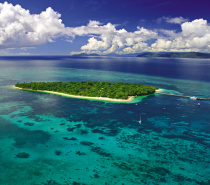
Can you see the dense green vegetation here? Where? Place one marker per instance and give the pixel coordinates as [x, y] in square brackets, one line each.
[116, 90]
[176, 55]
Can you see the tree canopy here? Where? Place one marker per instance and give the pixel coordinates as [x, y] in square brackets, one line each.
[117, 90]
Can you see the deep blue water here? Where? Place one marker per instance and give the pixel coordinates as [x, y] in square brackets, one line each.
[51, 139]
[190, 69]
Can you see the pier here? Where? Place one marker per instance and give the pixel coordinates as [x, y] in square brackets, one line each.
[183, 96]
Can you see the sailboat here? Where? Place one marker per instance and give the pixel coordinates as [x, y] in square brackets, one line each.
[140, 122]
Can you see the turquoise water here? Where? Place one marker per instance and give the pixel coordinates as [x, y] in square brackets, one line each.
[50, 139]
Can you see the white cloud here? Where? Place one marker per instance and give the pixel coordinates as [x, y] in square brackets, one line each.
[108, 39]
[173, 20]
[93, 27]
[94, 44]
[195, 36]
[135, 49]
[198, 27]
[112, 49]
[20, 29]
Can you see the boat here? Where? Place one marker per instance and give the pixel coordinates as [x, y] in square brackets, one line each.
[193, 98]
[140, 122]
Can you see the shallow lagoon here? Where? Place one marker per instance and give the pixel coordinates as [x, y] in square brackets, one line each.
[50, 139]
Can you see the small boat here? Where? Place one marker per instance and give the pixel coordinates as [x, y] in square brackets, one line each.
[140, 122]
[193, 98]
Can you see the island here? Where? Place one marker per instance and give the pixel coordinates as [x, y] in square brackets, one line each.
[93, 89]
[176, 55]
[86, 55]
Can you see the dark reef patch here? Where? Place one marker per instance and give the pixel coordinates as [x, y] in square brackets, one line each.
[58, 152]
[108, 132]
[22, 155]
[98, 131]
[70, 139]
[96, 175]
[82, 131]
[108, 128]
[29, 124]
[51, 182]
[100, 151]
[37, 119]
[78, 125]
[123, 166]
[80, 153]
[189, 136]
[160, 171]
[179, 178]
[70, 129]
[86, 143]
[112, 132]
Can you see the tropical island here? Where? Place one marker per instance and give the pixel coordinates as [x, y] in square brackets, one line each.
[108, 90]
[176, 55]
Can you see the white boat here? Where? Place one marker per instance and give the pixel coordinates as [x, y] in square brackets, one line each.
[193, 98]
[140, 122]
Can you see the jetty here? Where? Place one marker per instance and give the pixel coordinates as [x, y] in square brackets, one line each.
[192, 97]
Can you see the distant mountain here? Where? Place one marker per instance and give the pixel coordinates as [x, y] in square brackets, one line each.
[176, 55]
[85, 55]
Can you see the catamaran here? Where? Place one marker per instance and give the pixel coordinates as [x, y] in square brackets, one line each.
[194, 98]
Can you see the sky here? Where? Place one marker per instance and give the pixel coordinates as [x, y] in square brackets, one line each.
[105, 27]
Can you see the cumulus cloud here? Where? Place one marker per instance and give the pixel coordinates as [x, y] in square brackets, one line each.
[20, 29]
[108, 39]
[94, 44]
[195, 36]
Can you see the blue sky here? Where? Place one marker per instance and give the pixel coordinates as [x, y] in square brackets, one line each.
[63, 27]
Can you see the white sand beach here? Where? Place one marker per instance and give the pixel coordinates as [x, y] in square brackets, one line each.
[130, 98]
[159, 90]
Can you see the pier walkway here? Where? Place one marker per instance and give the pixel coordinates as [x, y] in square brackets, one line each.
[183, 96]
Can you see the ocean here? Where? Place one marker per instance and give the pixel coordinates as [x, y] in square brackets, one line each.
[49, 139]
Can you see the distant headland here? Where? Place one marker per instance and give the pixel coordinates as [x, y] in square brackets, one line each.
[111, 91]
[176, 55]
[85, 55]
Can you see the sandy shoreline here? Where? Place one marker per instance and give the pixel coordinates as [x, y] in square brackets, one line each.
[82, 97]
